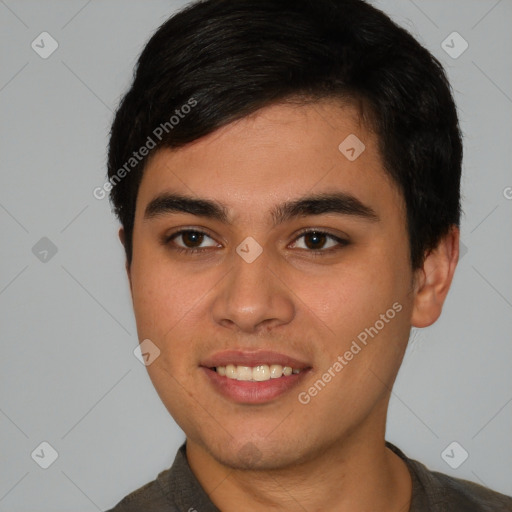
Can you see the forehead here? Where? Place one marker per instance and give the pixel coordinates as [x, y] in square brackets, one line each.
[277, 153]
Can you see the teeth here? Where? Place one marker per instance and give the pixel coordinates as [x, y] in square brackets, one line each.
[276, 371]
[231, 371]
[243, 372]
[257, 373]
[261, 373]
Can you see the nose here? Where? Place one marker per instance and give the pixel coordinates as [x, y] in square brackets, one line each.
[253, 297]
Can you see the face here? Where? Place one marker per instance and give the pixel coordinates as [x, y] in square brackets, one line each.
[299, 259]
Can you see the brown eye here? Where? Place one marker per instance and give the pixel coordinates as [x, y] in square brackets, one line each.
[192, 238]
[319, 242]
[315, 239]
[189, 240]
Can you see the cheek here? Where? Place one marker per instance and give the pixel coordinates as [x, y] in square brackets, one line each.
[164, 301]
[349, 301]
[162, 295]
[348, 295]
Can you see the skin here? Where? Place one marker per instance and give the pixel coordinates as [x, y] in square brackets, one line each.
[283, 455]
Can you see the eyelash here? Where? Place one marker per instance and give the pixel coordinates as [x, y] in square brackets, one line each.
[315, 252]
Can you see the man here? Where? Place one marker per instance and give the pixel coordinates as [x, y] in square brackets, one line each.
[287, 178]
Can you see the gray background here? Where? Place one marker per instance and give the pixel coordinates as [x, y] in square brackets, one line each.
[69, 376]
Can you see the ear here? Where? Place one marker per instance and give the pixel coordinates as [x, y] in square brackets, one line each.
[433, 280]
[123, 241]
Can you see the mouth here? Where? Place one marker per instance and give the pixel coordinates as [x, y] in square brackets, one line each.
[253, 377]
[260, 373]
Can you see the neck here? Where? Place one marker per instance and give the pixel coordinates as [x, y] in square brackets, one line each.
[356, 473]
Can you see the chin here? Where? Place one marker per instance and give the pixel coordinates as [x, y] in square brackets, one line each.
[257, 453]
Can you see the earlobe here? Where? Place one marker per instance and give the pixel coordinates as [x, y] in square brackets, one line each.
[433, 280]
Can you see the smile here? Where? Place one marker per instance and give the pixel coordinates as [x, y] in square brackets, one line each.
[258, 373]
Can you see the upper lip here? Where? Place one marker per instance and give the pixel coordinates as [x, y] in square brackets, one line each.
[252, 358]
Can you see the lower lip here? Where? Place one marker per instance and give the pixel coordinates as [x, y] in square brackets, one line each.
[251, 392]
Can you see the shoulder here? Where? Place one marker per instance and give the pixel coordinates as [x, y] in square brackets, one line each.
[437, 492]
[151, 497]
[174, 490]
[467, 496]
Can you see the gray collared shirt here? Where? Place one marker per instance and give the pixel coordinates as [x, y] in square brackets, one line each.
[177, 490]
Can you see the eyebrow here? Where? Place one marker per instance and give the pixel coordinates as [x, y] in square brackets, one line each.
[339, 203]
